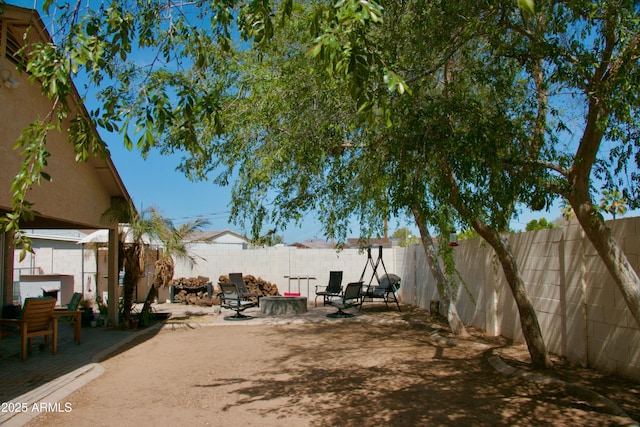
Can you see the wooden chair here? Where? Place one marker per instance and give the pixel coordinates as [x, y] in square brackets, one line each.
[37, 320]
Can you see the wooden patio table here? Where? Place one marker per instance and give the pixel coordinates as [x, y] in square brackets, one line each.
[77, 319]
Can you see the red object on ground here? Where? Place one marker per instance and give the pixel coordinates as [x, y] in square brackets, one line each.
[292, 294]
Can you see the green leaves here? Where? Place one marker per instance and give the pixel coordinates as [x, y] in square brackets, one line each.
[527, 6]
[346, 46]
[395, 82]
[86, 142]
[48, 65]
[32, 145]
[360, 11]
[421, 75]
[256, 21]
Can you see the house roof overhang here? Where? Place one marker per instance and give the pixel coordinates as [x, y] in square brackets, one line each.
[80, 192]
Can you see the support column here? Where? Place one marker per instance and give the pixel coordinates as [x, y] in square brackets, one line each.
[112, 277]
[6, 249]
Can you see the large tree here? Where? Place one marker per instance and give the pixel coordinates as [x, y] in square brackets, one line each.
[589, 51]
[580, 59]
[571, 59]
[584, 52]
[447, 141]
[341, 169]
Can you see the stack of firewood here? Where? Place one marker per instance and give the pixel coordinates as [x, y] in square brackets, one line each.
[194, 290]
[256, 285]
[191, 290]
[190, 282]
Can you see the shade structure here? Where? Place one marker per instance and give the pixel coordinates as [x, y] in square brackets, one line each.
[102, 236]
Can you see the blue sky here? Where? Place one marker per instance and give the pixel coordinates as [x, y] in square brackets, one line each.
[155, 182]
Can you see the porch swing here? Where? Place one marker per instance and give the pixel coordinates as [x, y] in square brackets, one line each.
[387, 284]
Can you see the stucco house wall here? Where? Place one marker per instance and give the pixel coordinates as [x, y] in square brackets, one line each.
[78, 193]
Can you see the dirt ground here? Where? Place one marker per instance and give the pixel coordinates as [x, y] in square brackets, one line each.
[348, 372]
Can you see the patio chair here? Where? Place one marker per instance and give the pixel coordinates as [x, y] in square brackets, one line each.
[386, 290]
[71, 314]
[238, 280]
[74, 302]
[333, 289]
[232, 299]
[37, 320]
[352, 297]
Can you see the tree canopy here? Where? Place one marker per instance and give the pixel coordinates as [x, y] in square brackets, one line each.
[456, 112]
[167, 72]
[539, 224]
[407, 238]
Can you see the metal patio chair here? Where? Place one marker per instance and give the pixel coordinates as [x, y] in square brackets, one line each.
[352, 297]
[333, 289]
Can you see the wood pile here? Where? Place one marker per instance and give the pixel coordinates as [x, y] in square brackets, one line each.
[195, 290]
[255, 285]
[190, 282]
[192, 290]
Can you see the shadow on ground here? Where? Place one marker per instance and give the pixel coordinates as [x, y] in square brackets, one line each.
[378, 368]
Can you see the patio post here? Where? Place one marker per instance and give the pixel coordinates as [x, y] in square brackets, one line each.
[6, 250]
[112, 277]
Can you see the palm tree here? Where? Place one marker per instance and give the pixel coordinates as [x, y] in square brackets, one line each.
[134, 231]
[613, 202]
[175, 242]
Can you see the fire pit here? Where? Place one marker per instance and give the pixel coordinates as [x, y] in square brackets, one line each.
[275, 306]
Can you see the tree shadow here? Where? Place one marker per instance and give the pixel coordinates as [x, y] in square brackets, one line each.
[369, 374]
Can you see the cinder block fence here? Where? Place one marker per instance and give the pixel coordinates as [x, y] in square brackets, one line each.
[580, 310]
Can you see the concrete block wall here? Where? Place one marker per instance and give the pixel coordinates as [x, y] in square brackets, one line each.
[273, 264]
[580, 309]
[614, 338]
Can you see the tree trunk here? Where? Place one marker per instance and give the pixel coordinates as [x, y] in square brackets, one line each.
[146, 308]
[528, 318]
[132, 271]
[612, 256]
[164, 269]
[456, 325]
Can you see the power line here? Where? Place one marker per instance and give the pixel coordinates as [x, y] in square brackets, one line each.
[205, 215]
